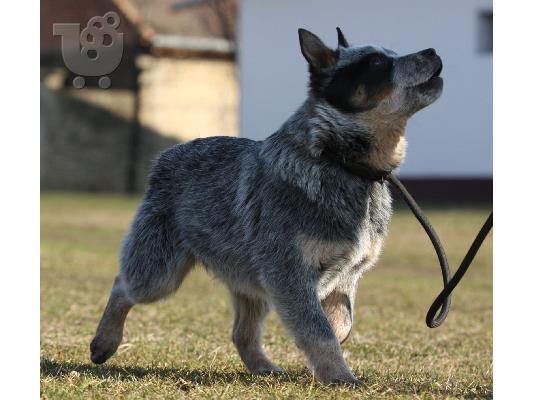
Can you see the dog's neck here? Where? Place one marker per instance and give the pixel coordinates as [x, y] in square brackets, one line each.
[388, 140]
[317, 135]
[371, 138]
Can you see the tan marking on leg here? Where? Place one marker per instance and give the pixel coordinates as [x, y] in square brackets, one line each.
[337, 308]
[338, 304]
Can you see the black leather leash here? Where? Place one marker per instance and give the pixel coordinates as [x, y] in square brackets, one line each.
[442, 303]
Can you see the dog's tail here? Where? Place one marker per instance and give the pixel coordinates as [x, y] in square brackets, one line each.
[154, 259]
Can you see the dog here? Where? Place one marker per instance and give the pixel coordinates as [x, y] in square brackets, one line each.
[291, 222]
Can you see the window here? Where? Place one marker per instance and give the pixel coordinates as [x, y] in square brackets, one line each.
[485, 32]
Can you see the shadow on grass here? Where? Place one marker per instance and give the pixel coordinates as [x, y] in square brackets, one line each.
[187, 376]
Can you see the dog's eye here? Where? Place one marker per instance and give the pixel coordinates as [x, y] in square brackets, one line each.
[377, 62]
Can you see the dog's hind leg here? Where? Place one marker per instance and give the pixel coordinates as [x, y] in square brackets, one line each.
[247, 332]
[110, 329]
[154, 261]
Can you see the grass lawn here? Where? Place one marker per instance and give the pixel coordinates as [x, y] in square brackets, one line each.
[181, 347]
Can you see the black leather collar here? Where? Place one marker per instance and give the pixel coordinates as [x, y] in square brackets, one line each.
[361, 170]
[366, 172]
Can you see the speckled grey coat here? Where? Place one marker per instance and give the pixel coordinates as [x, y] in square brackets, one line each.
[282, 222]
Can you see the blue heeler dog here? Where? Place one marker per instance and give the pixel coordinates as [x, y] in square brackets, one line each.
[291, 222]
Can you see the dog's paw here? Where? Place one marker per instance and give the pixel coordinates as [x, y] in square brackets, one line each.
[337, 376]
[102, 349]
[346, 380]
[352, 381]
[264, 367]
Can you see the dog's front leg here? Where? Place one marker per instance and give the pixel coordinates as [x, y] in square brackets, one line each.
[247, 332]
[339, 307]
[299, 307]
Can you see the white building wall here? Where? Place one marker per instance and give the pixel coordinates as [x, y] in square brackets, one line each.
[451, 138]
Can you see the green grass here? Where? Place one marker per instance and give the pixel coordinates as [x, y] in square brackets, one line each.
[181, 347]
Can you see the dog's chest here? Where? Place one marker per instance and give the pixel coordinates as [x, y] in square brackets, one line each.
[338, 260]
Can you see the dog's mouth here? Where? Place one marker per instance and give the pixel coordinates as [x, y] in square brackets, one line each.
[433, 80]
[435, 77]
[438, 71]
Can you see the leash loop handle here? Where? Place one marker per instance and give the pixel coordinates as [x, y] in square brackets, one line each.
[462, 269]
[442, 303]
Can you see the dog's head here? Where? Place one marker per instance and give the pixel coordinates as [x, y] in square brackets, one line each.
[356, 79]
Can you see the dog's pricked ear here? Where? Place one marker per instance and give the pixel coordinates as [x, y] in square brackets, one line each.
[341, 41]
[318, 55]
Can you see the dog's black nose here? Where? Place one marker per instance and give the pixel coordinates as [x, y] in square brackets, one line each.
[429, 52]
